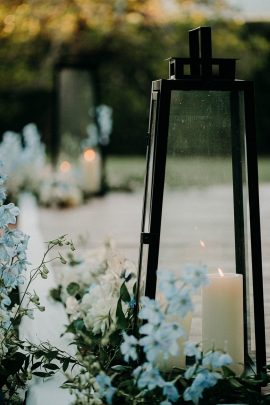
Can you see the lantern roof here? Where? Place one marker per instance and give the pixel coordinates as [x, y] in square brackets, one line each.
[200, 65]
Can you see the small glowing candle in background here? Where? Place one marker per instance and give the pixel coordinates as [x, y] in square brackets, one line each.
[91, 170]
[65, 167]
[222, 315]
[64, 173]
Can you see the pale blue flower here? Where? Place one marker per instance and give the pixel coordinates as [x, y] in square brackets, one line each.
[22, 247]
[15, 237]
[3, 176]
[5, 252]
[151, 311]
[180, 303]
[203, 380]
[167, 283]
[196, 276]
[105, 387]
[132, 303]
[166, 402]
[8, 214]
[20, 265]
[192, 349]
[148, 377]
[9, 276]
[170, 391]
[128, 347]
[3, 194]
[217, 359]
[4, 319]
[160, 340]
[5, 301]
[190, 371]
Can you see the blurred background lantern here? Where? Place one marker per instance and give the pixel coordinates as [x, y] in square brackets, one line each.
[203, 113]
[81, 127]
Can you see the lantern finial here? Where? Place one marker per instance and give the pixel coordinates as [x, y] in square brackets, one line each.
[200, 65]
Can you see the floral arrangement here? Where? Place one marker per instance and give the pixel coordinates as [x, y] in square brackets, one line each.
[124, 353]
[24, 160]
[19, 360]
[124, 364]
[58, 192]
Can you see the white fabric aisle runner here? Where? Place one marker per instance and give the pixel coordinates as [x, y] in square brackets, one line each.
[48, 325]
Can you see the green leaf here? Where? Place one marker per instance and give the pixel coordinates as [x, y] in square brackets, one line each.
[120, 368]
[36, 365]
[135, 289]
[13, 364]
[52, 354]
[227, 372]
[55, 293]
[51, 366]
[116, 337]
[62, 259]
[235, 383]
[65, 365]
[124, 294]
[121, 320]
[41, 374]
[79, 324]
[73, 288]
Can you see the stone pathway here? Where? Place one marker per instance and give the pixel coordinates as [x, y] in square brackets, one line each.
[186, 234]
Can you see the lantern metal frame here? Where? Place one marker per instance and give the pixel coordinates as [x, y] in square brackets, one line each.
[201, 76]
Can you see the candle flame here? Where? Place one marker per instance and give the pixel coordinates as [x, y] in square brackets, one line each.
[89, 155]
[65, 166]
[220, 272]
[202, 243]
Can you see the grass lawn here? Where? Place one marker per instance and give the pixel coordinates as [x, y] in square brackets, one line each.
[127, 172]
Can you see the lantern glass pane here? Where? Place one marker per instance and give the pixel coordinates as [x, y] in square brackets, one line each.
[76, 109]
[198, 216]
[205, 151]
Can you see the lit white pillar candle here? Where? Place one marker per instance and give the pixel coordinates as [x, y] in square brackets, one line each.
[91, 170]
[222, 315]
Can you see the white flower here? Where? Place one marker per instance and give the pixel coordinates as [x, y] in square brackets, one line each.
[72, 305]
[99, 308]
[30, 313]
[14, 310]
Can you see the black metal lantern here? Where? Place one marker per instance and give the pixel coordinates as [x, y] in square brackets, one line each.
[76, 126]
[74, 98]
[201, 143]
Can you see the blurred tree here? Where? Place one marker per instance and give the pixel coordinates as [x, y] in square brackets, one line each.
[125, 41]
